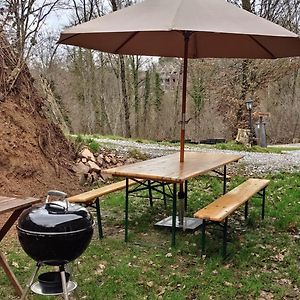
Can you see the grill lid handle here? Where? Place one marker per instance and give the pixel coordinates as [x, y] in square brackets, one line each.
[56, 208]
[56, 193]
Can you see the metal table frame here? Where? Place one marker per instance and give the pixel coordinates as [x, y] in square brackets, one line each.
[168, 170]
[153, 186]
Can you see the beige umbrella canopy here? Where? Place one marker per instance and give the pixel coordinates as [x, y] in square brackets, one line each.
[185, 28]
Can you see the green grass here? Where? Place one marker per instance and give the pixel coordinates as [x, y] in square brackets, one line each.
[263, 262]
[240, 147]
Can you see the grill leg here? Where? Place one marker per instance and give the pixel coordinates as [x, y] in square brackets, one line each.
[203, 236]
[263, 204]
[64, 282]
[246, 210]
[28, 286]
[225, 238]
[98, 210]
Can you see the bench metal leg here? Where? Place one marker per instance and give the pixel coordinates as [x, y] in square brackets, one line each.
[246, 209]
[203, 236]
[263, 204]
[98, 211]
[225, 238]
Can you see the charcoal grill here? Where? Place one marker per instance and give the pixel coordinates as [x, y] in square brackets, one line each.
[54, 234]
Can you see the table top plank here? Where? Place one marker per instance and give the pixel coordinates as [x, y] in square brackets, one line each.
[169, 169]
[11, 203]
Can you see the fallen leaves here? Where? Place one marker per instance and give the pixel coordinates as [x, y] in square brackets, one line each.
[101, 267]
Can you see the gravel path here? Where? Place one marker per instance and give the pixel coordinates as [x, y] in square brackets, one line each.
[252, 163]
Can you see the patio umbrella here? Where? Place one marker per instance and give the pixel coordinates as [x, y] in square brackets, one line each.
[186, 29]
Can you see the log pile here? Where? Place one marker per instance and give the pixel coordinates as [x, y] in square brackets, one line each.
[89, 165]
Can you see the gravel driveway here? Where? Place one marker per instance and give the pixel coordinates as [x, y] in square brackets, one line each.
[252, 163]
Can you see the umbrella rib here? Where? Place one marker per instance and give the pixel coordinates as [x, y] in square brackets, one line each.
[126, 41]
[262, 46]
[65, 39]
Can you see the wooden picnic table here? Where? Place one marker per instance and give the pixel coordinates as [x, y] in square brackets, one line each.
[168, 169]
[16, 206]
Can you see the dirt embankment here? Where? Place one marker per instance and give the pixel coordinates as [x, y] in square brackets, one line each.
[34, 154]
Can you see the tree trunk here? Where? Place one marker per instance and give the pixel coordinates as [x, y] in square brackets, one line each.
[146, 101]
[125, 98]
[134, 61]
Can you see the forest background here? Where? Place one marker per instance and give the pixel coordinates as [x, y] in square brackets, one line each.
[90, 92]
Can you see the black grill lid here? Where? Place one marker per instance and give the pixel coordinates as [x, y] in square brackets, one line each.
[55, 217]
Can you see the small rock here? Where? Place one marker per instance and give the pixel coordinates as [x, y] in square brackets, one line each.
[99, 160]
[93, 166]
[86, 153]
[81, 168]
[107, 159]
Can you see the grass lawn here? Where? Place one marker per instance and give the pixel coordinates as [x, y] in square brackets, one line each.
[264, 259]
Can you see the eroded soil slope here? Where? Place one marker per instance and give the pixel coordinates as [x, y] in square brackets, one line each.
[34, 154]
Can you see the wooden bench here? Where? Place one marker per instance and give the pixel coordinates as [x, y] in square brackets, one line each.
[92, 198]
[218, 211]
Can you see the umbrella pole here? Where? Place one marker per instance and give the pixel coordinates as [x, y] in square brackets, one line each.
[181, 194]
[184, 85]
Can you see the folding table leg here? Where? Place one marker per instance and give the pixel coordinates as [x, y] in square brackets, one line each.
[185, 195]
[164, 195]
[224, 180]
[263, 203]
[126, 212]
[99, 221]
[174, 215]
[150, 193]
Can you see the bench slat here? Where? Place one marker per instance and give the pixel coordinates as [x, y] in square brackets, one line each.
[90, 196]
[228, 203]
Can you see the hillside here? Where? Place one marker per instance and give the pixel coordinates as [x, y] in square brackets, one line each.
[34, 154]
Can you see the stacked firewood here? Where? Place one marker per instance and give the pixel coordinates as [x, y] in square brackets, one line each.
[89, 165]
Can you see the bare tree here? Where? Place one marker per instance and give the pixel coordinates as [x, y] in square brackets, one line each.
[125, 98]
[25, 19]
[22, 20]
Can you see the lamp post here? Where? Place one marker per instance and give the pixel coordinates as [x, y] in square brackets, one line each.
[249, 106]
